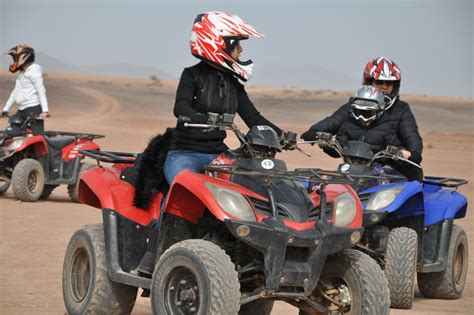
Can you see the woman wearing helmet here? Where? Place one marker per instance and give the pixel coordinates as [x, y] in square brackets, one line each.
[394, 121]
[29, 92]
[211, 86]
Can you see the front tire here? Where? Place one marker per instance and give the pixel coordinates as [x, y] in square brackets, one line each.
[73, 189]
[400, 266]
[448, 284]
[28, 180]
[359, 281]
[87, 288]
[195, 277]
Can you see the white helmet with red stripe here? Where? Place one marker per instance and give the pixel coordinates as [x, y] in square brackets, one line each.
[213, 37]
[383, 69]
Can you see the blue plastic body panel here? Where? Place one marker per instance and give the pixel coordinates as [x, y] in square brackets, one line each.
[443, 204]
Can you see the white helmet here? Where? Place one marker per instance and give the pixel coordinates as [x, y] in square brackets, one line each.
[368, 104]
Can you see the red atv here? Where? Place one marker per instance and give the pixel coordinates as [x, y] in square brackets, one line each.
[230, 241]
[36, 164]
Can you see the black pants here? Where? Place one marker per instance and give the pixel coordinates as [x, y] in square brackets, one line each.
[17, 126]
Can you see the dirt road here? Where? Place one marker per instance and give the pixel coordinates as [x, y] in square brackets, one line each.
[34, 235]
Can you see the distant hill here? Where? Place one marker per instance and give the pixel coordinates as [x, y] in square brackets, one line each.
[51, 64]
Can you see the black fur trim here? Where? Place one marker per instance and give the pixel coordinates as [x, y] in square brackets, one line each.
[151, 178]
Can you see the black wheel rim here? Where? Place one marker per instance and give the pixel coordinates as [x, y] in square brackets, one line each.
[181, 292]
[80, 275]
[32, 181]
[459, 264]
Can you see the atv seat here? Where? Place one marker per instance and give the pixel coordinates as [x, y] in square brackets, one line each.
[59, 142]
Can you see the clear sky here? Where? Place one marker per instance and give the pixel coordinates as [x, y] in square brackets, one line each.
[309, 44]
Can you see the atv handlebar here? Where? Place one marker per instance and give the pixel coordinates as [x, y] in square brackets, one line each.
[324, 139]
[223, 122]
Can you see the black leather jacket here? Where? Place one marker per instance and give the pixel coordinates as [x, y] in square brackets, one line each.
[396, 127]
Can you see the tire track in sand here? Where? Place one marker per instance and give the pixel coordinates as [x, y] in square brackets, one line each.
[107, 107]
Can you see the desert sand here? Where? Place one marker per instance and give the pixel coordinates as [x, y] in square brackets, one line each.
[129, 112]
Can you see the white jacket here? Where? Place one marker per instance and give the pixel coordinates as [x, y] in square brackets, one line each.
[29, 90]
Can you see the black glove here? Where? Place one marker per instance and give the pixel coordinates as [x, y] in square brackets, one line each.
[289, 140]
[4, 114]
[309, 135]
[194, 118]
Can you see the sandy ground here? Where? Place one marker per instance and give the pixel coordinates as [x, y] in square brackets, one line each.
[129, 112]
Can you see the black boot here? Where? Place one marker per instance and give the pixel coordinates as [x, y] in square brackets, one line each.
[147, 264]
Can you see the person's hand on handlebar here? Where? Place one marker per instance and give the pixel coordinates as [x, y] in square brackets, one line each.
[194, 118]
[405, 154]
[44, 115]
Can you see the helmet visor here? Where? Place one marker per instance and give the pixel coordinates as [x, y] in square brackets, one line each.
[365, 109]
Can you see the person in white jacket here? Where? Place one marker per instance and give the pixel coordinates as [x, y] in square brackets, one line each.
[29, 92]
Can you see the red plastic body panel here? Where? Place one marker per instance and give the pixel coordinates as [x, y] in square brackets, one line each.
[71, 151]
[37, 143]
[103, 188]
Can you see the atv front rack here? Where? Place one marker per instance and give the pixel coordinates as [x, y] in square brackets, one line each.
[77, 135]
[311, 175]
[110, 156]
[444, 181]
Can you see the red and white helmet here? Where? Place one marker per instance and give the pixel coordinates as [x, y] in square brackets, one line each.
[213, 37]
[383, 69]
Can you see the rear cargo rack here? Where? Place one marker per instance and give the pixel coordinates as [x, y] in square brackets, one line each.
[444, 181]
[110, 156]
[77, 135]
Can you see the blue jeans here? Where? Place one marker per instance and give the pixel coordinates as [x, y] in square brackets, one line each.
[179, 160]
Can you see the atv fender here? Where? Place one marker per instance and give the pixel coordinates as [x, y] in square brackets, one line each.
[37, 143]
[442, 204]
[102, 188]
[409, 201]
[188, 196]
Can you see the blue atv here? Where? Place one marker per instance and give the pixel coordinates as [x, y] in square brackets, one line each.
[408, 225]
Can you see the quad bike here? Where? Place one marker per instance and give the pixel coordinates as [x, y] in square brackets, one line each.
[230, 241]
[35, 165]
[409, 226]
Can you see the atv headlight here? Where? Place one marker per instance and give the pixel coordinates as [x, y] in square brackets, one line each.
[232, 202]
[346, 209]
[383, 198]
[16, 144]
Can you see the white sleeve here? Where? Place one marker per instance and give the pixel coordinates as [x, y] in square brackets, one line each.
[10, 100]
[37, 78]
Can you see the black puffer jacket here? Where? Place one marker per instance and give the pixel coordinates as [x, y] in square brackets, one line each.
[202, 89]
[397, 127]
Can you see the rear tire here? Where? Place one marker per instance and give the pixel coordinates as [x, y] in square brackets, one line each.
[47, 190]
[361, 277]
[73, 189]
[28, 180]
[4, 185]
[448, 284]
[87, 288]
[400, 266]
[195, 277]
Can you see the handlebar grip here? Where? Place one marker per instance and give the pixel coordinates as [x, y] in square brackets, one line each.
[184, 119]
